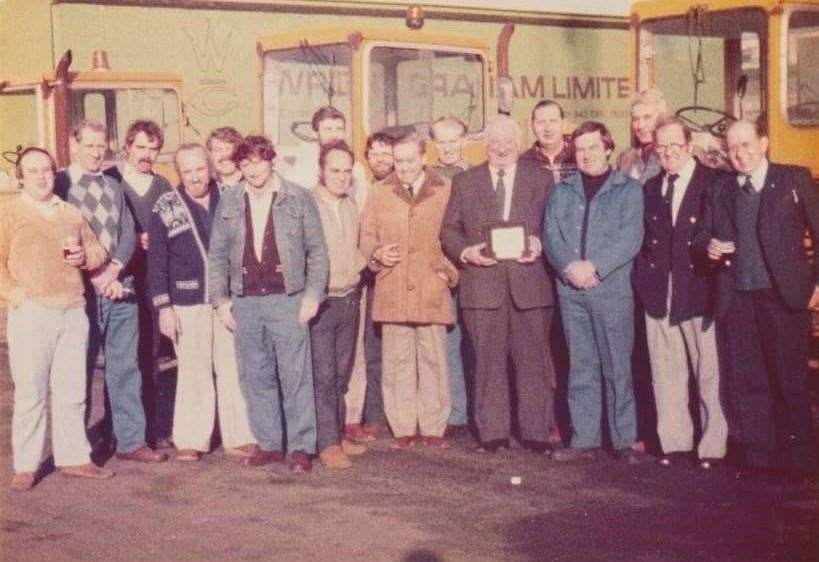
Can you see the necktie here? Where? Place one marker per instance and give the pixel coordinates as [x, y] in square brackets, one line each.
[748, 186]
[411, 192]
[500, 193]
[669, 193]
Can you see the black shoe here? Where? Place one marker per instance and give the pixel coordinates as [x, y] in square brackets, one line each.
[707, 463]
[570, 454]
[537, 447]
[492, 446]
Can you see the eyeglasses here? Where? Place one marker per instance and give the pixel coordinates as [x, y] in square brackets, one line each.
[673, 147]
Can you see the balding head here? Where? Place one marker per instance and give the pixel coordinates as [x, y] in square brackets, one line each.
[503, 139]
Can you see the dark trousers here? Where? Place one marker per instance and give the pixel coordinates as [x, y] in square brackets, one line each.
[495, 335]
[765, 347]
[332, 335]
[374, 399]
[159, 390]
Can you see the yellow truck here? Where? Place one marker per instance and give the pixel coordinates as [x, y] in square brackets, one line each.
[735, 59]
[265, 66]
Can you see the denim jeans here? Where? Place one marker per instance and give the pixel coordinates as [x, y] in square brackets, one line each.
[115, 327]
[374, 399]
[600, 335]
[455, 362]
[332, 336]
[275, 371]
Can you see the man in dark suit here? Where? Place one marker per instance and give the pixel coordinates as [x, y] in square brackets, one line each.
[674, 290]
[506, 305]
[763, 295]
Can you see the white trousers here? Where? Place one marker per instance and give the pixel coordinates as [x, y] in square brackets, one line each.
[205, 345]
[47, 355]
[415, 379]
[670, 348]
[357, 387]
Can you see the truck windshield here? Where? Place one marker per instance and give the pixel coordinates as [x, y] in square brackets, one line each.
[413, 87]
[712, 63]
[297, 82]
[118, 108]
[803, 68]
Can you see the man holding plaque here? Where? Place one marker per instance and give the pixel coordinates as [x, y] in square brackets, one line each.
[399, 234]
[593, 230]
[505, 293]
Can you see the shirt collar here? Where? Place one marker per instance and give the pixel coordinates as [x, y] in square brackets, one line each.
[508, 172]
[757, 176]
[684, 174]
[418, 183]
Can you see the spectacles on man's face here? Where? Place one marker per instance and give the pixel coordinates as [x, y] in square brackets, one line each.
[667, 148]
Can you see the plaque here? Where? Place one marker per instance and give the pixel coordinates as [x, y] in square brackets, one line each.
[506, 241]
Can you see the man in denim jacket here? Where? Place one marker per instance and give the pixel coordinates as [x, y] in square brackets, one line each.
[593, 229]
[268, 271]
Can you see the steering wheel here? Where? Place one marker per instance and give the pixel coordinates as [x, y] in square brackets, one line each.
[716, 127]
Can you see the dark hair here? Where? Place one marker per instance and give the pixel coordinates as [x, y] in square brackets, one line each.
[594, 127]
[338, 145]
[225, 134]
[254, 146]
[18, 167]
[381, 138]
[547, 103]
[326, 112]
[671, 121]
[150, 128]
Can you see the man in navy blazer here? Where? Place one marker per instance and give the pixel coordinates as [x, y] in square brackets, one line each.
[674, 289]
[763, 299]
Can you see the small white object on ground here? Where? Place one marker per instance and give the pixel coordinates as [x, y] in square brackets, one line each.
[516, 480]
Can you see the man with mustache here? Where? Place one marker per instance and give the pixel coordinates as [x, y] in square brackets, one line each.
[222, 143]
[142, 187]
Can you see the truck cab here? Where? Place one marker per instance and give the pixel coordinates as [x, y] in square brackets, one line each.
[43, 109]
[394, 81]
[752, 59]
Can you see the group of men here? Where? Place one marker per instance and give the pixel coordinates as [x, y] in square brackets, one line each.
[312, 306]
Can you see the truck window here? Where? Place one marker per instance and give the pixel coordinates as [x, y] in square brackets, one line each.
[413, 87]
[298, 81]
[803, 68]
[117, 108]
[711, 60]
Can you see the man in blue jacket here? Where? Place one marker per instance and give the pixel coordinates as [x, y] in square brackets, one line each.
[268, 272]
[593, 228]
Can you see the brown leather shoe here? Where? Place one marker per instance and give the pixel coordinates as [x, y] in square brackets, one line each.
[89, 470]
[298, 462]
[188, 455]
[143, 454]
[355, 432]
[335, 458]
[261, 457]
[23, 481]
[435, 442]
[405, 442]
[243, 451]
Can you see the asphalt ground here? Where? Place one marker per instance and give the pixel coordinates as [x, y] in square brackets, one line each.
[417, 505]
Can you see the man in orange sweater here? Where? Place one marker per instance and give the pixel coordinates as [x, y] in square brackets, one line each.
[43, 243]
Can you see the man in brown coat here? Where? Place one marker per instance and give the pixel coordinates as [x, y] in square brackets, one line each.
[400, 230]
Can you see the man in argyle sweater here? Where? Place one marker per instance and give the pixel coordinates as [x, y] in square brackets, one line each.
[112, 306]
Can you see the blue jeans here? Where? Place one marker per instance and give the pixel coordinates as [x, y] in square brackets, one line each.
[275, 371]
[115, 327]
[455, 362]
[600, 335]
